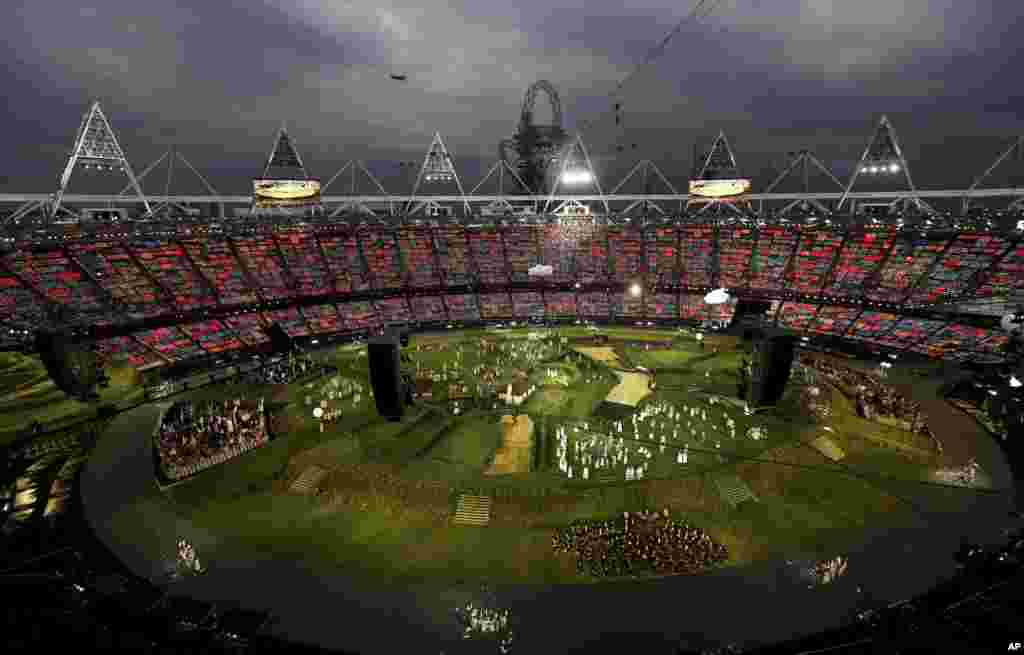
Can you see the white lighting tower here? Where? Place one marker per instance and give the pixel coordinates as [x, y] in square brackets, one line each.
[96, 148]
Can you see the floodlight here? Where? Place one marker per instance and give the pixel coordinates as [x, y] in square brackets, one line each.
[577, 176]
[894, 168]
[864, 169]
[635, 289]
[1014, 382]
[717, 297]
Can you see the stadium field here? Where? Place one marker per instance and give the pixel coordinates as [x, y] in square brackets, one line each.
[758, 483]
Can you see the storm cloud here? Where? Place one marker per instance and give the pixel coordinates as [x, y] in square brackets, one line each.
[217, 79]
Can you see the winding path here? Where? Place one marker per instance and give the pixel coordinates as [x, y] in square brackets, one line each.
[755, 603]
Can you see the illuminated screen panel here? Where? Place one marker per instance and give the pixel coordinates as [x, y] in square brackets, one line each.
[345, 262]
[527, 304]
[625, 254]
[495, 305]
[593, 305]
[285, 193]
[428, 308]
[910, 259]
[909, 331]
[775, 246]
[736, 249]
[322, 319]
[265, 267]
[859, 260]
[382, 259]
[307, 267]
[797, 315]
[394, 310]
[488, 254]
[872, 325]
[218, 264]
[56, 277]
[697, 253]
[416, 243]
[625, 305]
[835, 320]
[453, 255]
[663, 305]
[359, 315]
[951, 277]
[521, 250]
[1007, 278]
[463, 307]
[952, 339]
[112, 266]
[126, 351]
[290, 319]
[19, 304]
[248, 327]
[559, 247]
[814, 260]
[166, 261]
[170, 342]
[560, 304]
[212, 336]
[592, 254]
[719, 188]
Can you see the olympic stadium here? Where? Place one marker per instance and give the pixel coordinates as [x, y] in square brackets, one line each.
[541, 411]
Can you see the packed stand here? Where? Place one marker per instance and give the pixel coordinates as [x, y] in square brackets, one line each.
[193, 437]
[638, 544]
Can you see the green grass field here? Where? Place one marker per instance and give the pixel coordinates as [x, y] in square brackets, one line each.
[27, 394]
[680, 443]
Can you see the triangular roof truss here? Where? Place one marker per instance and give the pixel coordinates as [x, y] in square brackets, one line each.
[884, 148]
[96, 146]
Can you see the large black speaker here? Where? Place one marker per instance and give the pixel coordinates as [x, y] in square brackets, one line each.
[386, 376]
[280, 340]
[71, 363]
[770, 368]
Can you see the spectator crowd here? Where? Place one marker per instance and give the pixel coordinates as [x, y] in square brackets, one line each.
[195, 436]
[638, 544]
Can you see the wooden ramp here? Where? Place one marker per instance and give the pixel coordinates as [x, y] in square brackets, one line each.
[472, 510]
[308, 481]
[828, 448]
[733, 490]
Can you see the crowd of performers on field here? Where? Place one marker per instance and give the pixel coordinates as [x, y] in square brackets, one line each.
[638, 544]
[286, 370]
[874, 400]
[197, 435]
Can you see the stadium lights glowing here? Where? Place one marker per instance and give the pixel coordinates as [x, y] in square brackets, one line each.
[577, 176]
[872, 169]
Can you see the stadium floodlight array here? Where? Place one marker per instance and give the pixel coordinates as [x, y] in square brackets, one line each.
[881, 168]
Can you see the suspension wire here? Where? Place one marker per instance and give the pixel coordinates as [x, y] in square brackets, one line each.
[700, 10]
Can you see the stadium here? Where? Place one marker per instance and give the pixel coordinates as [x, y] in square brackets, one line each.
[551, 419]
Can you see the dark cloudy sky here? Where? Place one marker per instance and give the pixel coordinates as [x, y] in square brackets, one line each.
[217, 77]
